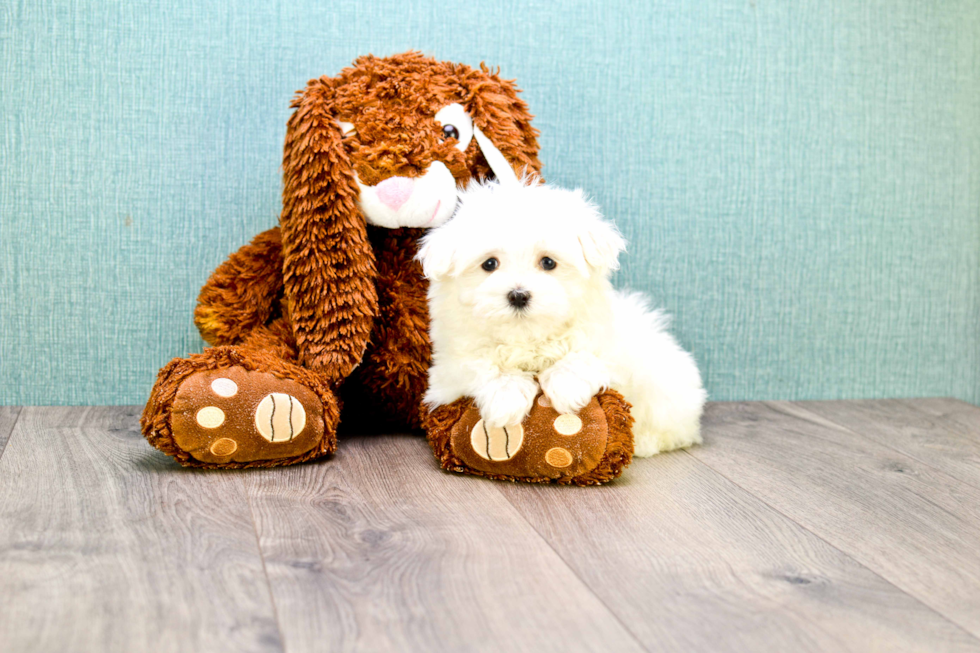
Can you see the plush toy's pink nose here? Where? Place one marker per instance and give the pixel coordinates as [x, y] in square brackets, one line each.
[394, 191]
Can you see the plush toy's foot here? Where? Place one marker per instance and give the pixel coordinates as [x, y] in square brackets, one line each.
[236, 407]
[590, 448]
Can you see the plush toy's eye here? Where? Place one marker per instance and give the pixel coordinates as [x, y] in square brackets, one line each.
[455, 123]
[548, 264]
[347, 129]
[449, 131]
[490, 264]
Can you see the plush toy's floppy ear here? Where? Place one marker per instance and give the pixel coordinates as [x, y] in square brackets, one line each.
[328, 265]
[600, 239]
[501, 117]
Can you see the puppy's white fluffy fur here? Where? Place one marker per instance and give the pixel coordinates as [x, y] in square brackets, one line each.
[576, 335]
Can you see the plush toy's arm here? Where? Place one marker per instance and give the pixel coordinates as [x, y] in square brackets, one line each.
[241, 294]
[328, 261]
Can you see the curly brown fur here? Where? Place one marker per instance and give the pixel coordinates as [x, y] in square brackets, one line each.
[238, 296]
[274, 338]
[155, 421]
[392, 101]
[618, 454]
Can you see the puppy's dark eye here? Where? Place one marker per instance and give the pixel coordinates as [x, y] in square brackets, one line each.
[548, 264]
[449, 131]
[490, 264]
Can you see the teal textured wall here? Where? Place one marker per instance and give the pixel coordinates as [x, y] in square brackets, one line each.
[800, 179]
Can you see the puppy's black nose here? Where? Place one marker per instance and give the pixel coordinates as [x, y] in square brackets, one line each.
[518, 298]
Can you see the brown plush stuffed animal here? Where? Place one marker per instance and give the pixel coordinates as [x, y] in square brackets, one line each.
[329, 308]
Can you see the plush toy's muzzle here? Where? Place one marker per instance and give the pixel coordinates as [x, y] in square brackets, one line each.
[422, 202]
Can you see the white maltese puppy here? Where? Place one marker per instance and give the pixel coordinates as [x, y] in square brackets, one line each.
[520, 297]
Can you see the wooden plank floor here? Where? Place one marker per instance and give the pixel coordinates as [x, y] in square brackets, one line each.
[804, 526]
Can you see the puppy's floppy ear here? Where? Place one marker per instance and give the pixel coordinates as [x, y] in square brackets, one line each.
[600, 239]
[328, 262]
[502, 117]
[437, 252]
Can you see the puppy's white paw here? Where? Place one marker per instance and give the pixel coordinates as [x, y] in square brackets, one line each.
[567, 392]
[571, 384]
[506, 400]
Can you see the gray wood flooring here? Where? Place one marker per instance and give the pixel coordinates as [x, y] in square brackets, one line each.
[797, 526]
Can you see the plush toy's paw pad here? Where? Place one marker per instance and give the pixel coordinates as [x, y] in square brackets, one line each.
[589, 447]
[233, 415]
